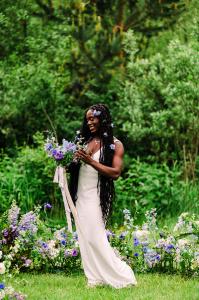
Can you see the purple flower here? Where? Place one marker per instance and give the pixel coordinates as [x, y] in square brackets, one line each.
[2, 286]
[136, 254]
[112, 146]
[169, 248]
[74, 252]
[13, 214]
[5, 233]
[109, 233]
[47, 206]
[27, 262]
[57, 154]
[96, 113]
[136, 242]
[28, 222]
[68, 146]
[66, 253]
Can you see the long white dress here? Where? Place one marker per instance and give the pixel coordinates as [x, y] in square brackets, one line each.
[100, 263]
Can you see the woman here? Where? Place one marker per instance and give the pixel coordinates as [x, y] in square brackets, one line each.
[92, 190]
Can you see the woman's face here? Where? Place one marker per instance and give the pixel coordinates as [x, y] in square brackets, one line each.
[93, 122]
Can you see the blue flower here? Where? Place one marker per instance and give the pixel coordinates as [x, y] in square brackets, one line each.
[136, 242]
[44, 245]
[2, 286]
[158, 257]
[145, 249]
[63, 242]
[136, 254]
[122, 235]
[48, 147]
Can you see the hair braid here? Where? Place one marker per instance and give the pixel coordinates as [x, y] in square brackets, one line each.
[105, 184]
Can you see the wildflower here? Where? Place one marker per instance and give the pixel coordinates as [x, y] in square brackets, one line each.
[136, 254]
[66, 253]
[96, 113]
[122, 235]
[5, 233]
[112, 146]
[57, 154]
[68, 146]
[2, 286]
[13, 214]
[109, 233]
[75, 235]
[27, 262]
[63, 242]
[112, 125]
[74, 252]
[47, 206]
[1, 254]
[44, 245]
[168, 248]
[105, 134]
[48, 146]
[136, 242]
[158, 257]
[28, 222]
[2, 268]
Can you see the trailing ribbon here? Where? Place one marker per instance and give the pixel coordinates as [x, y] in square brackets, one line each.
[61, 179]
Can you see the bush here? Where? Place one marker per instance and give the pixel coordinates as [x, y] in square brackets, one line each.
[154, 185]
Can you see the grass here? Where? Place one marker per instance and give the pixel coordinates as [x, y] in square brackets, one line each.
[73, 287]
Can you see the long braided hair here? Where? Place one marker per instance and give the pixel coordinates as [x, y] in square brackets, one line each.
[105, 184]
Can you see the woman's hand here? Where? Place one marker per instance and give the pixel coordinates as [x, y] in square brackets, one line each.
[84, 156]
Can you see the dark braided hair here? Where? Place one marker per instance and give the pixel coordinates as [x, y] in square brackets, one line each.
[105, 184]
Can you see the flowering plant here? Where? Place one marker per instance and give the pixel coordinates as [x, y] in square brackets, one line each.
[63, 154]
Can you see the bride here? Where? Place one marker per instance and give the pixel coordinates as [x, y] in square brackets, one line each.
[92, 190]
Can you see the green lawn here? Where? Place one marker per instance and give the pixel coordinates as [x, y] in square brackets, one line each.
[73, 287]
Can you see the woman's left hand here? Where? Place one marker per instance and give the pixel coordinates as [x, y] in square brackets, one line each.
[81, 154]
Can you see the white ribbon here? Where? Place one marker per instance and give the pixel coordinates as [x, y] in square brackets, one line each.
[61, 179]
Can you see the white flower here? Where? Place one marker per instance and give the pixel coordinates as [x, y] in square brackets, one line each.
[2, 268]
[1, 253]
[183, 243]
[141, 234]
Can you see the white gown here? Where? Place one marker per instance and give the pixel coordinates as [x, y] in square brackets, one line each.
[99, 261]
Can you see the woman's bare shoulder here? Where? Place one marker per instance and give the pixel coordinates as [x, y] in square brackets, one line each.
[118, 144]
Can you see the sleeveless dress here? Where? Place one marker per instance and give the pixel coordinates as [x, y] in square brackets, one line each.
[100, 263]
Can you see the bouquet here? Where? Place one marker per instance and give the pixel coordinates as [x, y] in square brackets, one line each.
[63, 154]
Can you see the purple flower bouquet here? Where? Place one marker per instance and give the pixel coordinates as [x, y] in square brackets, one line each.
[62, 154]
